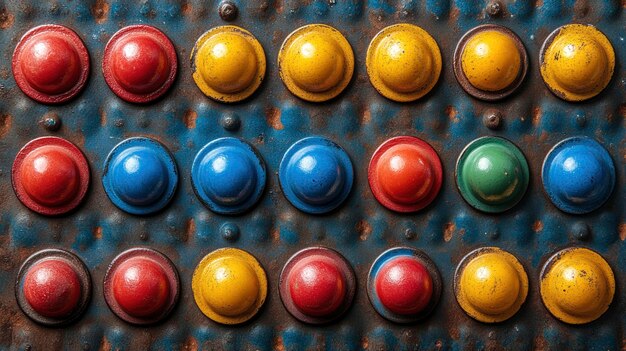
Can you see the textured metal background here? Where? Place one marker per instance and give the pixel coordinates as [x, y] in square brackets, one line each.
[359, 120]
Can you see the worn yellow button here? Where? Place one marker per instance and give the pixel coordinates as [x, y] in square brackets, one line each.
[403, 62]
[228, 63]
[316, 62]
[229, 286]
[577, 285]
[490, 285]
[577, 62]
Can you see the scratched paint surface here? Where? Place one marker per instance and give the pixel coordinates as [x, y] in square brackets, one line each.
[359, 120]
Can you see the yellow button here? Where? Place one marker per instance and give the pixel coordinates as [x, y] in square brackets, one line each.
[316, 62]
[229, 286]
[228, 63]
[577, 285]
[403, 62]
[491, 60]
[490, 285]
[577, 62]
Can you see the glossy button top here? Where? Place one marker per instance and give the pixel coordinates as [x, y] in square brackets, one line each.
[403, 62]
[229, 286]
[139, 63]
[50, 175]
[53, 287]
[228, 176]
[140, 176]
[490, 285]
[578, 175]
[316, 62]
[317, 285]
[490, 62]
[51, 64]
[404, 285]
[228, 63]
[316, 175]
[141, 286]
[492, 174]
[577, 62]
[577, 285]
[405, 174]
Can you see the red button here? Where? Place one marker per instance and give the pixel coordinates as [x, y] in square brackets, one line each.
[139, 63]
[50, 64]
[317, 286]
[52, 288]
[141, 286]
[404, 286]
[50, 175]
[405, 174]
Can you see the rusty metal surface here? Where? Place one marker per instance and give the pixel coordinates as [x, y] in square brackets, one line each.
[359, 120]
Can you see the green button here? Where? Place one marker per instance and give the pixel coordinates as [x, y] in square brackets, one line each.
[492, 174]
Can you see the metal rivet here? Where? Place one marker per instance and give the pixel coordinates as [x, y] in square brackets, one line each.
[493, 120]
[229, 231]
[228, 11]
[580, 231]
[230, 122]
[51, 122]
[494, 8]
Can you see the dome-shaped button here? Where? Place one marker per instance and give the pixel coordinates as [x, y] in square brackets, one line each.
[492, 174]
[229, 286]
[139, 63]
[53, 287]
[51, 64]
[140, 176]
[141, 286]
[577, 285]
[405, 174]
[50, 176]
[317, 285]
[228, 176]
[403, 62]
[578, 175]
[490, 285]
[316, 62]
[316, 175]
[490, 62]
[577, 62]
[404, 285]
[228, 63]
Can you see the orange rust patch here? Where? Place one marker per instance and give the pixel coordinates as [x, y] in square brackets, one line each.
[365, 343]
[185, 9]
[97, 233]
[105, 345]
[452, 113]
[622, 231]
[278, 344]
[272, 116]
[6, 19]
[366, 117]
[364, 229]
[191, 344]
[103, 117]
[275, 234]
[100, 11]
[190, 119]
[536, 115]
[537, 226]
[5, 124]
[190, 229]
[448, 230]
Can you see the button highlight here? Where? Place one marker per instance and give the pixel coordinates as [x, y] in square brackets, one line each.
[228, 176]
[317, 285]
[50, 64]
[50, 176]
[403, 62]
[578, 175]
[316, 175]
[139, 63]
[490, 285]
[577, 285]
[140, 176]
[404, 285]
[229, 286]
[405, 174]
[492, 174]
[316, 62]
[577, 62]
[228, 63]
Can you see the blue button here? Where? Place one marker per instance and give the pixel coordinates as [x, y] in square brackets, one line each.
[578, 175]
[316, 175]
[140, 176]
[228, 176]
